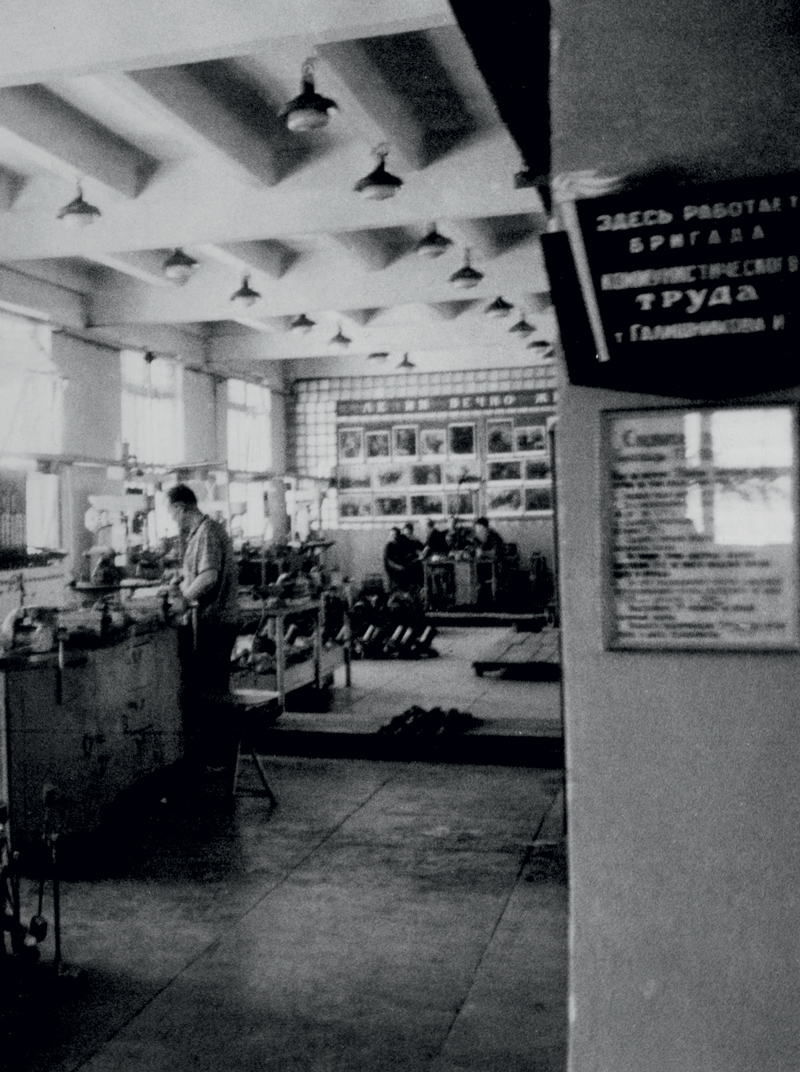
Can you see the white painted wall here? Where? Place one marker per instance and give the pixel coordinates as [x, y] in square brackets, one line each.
[683, 820]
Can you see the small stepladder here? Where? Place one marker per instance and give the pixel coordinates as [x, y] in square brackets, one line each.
[252, 705]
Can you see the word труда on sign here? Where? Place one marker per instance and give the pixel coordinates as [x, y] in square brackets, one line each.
[742, 284]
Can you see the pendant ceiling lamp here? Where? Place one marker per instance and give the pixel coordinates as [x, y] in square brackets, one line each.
[499, 307]
[303, 323]
[406, 362]
[340, 340]
[380, 183]
[433, 244]
[309, 111]
[378, 355]
[78, 213]
[467, 276]
[179, 266]
[522, 327]
[245, 296]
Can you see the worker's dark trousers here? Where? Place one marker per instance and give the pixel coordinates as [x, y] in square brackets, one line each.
[205, 659]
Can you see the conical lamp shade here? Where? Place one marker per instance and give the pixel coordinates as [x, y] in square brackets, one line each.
[245, 296]
[433, 244]
[309, 111]
[179, 266]
[78, 213]
[499, 307]
[380, 183]
[467, 276]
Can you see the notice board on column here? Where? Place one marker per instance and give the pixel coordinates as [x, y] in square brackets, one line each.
[694, 290]
[700, 528]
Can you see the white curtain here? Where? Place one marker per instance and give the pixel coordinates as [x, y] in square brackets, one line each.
[249, 427]
[31, 420]
[31, 390]
[152, 408]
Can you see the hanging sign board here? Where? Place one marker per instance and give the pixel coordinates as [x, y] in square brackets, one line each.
[489, 400]
[693, 289]
[701, 528]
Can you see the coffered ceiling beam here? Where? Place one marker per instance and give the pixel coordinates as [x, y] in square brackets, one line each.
[59, 139]
[376, 248]
[272, 258]
[208, 121]
[320, 282]
[142, 265]
[51, 38]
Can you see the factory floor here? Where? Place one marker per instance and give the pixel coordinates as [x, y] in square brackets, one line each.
[386, 915]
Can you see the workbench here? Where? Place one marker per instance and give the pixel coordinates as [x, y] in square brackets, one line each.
[88, 724]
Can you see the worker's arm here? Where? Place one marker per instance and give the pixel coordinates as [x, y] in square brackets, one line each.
[202, 583]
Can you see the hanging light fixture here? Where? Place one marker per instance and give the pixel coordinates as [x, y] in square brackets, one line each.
[522, 327]
[406, 362]
[303, 323]
[380, 183]
[499, 307]
[340, 340]
[538, 344]
[378, 355]
[433, 244]
[179, 266]
[78, 213]
[309, 111]
[467, 276]
[245, 296]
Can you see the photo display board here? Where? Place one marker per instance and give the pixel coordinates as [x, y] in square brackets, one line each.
[444, 455]
[700, 540]
[693, 289]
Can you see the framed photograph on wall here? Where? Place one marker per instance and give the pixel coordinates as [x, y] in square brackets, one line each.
[499, 437]
[426, 474]
[462, 503]
[537, 469]
[392, 476]
[432, 442]
[351, 444]
[378, 445]
[461, 440]
[504, 500]
[505, 470]
[405, 441]
[353, 476]
[530, 437]
[427, 505]
[538, 500]
[391, 506]
[352, 507]
[700, 528]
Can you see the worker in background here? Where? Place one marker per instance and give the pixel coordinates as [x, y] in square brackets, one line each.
[489, 549]
[435, 541]
[401, 562]
[206, 598]
[459, 538]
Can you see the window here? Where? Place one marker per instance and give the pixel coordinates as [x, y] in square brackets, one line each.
[249, 427]
[31, 422]
[31, 390]
[152, 408]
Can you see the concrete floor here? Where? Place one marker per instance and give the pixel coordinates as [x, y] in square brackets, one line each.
[385, 916]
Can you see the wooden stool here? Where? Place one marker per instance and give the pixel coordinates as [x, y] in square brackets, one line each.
[249, 704]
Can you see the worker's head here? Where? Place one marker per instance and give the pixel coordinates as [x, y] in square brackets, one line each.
[394, 534]
[182, 504]
[431, 524]
[481, 528]
[408, 528]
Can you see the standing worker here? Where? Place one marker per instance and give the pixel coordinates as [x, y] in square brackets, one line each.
[206, 596]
